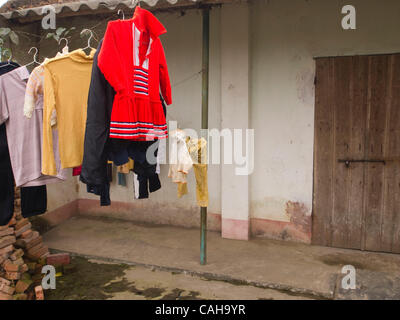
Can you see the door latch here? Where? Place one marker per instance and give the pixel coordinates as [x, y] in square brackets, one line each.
[347, 162]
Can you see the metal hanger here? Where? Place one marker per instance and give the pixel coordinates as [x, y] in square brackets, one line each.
[8, 61]
[65, 49]
[136, 3]
[123, 14]
[34, 56]
[90, 38]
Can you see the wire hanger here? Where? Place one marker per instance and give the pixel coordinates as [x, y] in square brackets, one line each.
[65, 49]
[90, 38]
[34, 56]
[136, 3]
[8, 61]
[123, 14]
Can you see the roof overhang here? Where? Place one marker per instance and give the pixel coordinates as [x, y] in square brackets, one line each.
[92, 7]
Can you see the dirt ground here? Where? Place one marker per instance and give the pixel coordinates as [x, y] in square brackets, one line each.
[99, 280]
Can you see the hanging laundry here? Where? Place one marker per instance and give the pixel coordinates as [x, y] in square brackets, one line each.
[98, 146]
[76, 171]
[137, 111]
[97, 142]
[121, 179]
[198, 151]
[66, 86]
[34, 92]
[34, 100]
[6, 173]
[125, 168]
[33, 201]
[144, 167]
[180, 159]
[101, 190]
[24, 135]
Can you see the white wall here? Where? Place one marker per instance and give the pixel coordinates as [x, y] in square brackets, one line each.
[183, 48]
[285, 36]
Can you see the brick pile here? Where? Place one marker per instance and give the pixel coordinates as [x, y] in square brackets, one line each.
[22, 256]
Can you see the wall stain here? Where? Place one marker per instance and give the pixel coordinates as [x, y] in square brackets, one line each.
[297, 212]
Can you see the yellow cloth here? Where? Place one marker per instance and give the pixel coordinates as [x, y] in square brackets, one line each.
[66, 87]
[200, 171]
[182, 189]
[198, 151]
[125, 168]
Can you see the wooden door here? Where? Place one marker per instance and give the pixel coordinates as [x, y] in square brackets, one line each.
[357, 153]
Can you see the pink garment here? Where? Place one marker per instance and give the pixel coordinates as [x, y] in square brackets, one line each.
[24, 136]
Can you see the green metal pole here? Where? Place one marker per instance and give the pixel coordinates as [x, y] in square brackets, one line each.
[204, 123]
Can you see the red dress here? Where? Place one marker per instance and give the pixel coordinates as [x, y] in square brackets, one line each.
[132, 60]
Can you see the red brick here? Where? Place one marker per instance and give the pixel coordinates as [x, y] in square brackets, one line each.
[36, 248]
[33, 242]
[39, 293]
[19, 261]
[22, 285]
[24, 268]
[6, 241]
[12, 222]
[38, 253]
[6, 232]
[5, 296]
[23, 229]
[5, 281]
[3, 258]
[6, 289]
[11, 267]
[27, 234]
[59, 259]
[13, 275]
[17, 254]
[7, 249]
[21, 223]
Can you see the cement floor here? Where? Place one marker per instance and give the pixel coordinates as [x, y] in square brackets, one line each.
[289, 269]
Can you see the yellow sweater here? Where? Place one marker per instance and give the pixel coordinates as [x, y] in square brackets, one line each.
[66, 88]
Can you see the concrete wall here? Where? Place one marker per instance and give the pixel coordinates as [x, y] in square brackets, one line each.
[262, 77]
[285, 36]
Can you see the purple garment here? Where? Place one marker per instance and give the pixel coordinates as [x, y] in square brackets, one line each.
[24, 136]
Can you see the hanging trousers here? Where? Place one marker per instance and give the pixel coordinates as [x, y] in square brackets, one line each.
[33, 201]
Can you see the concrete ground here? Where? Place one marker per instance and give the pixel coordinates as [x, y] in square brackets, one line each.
[97, 279]
[167, 258]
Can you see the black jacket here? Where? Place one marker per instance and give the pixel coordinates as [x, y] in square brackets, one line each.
[98, 147]
[97, 141]
[6, 173]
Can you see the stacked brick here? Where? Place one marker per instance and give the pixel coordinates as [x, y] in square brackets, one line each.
[22, 256]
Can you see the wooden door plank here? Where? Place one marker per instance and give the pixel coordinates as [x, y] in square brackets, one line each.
[379, 75]
[323, 142]
[390, 228]
[343, 86]
[357, 151]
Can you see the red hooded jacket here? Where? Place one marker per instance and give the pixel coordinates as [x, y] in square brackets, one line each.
[132, 60]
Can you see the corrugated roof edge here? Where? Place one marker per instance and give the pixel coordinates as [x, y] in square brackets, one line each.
[76, 6]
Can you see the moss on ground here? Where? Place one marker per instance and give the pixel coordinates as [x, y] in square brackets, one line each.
[87, 281]
[96, 281]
